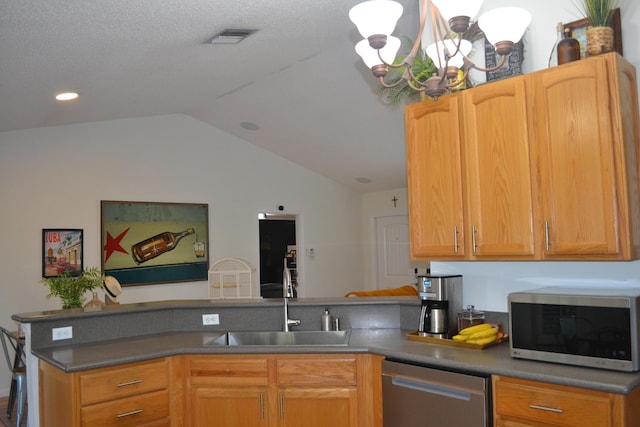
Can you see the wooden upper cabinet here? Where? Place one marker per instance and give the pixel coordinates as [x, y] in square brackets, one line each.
[537, 167]
[434, 179]
[497, 165]
[588, 166]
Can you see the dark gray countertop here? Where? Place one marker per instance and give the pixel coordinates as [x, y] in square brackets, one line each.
[135, 332]
[392, 343]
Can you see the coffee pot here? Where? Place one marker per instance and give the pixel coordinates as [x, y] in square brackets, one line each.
[441, 298]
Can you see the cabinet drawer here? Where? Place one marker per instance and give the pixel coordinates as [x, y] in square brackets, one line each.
[137, 411]
[552, 404]
[113, 383]
[321, 372]
[232, 371]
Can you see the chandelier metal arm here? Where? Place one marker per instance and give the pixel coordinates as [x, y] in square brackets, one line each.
[470, 64]
[408, 61]
[387, 85]
[423, 20]
[421, 85]
[459, 80]
[412, 81]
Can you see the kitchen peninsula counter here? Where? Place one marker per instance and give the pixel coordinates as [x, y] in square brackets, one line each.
[136, 332]
[125, 335]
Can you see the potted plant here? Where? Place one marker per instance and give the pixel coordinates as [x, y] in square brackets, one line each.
[599, 33]
[423, 68]
[72, 289]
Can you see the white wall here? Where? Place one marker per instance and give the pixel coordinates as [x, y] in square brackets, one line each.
[541, 34]
[56, 177]
[374, 205]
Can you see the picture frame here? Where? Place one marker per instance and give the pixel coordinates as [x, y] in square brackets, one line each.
[62, 251]
[145, 243]
[579, 32]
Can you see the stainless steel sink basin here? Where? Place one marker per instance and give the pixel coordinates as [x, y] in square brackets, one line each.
[221, 339]
[279, 338]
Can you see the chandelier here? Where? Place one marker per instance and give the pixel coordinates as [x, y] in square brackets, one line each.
[376, 20]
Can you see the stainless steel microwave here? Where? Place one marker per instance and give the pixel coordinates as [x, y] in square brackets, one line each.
[577, 326]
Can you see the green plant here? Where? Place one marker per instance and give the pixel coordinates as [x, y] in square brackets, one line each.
[597, 12]
[72, 289]
[423, 68]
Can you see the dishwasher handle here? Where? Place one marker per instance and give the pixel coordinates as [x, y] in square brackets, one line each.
[430, 388]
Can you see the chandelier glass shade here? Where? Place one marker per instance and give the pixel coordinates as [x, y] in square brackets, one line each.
[376, 20]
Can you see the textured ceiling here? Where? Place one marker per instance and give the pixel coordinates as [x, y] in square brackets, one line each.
[297, 78]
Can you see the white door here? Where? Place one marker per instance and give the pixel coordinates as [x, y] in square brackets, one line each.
[392, 248]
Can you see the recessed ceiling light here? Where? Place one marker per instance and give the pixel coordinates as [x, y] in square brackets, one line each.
[249, 126]
[67, 96]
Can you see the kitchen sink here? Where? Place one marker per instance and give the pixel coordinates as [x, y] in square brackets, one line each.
[279, 338]
[219, 340]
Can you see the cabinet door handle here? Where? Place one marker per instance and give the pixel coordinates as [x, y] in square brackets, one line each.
[547, 244]
[129, 383]
[473, 238]
[546, 408]
[127, 414]
[261, 406]
[455, 238]
[281, 407]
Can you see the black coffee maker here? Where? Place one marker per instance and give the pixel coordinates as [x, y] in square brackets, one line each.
[441, 301]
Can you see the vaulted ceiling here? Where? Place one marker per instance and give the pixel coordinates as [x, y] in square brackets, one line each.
[295, 87]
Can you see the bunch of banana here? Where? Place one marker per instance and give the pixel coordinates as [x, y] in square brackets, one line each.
[483, 333]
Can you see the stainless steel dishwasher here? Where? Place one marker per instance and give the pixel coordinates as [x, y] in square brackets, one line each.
[426, 397]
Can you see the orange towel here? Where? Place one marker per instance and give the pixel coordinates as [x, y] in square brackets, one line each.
[402, 291]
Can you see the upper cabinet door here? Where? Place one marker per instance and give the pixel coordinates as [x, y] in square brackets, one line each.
[575, 139]
[434, 178]
[498, 168]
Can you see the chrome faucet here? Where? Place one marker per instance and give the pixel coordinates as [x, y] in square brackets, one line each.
[287, 292]
[288, 322]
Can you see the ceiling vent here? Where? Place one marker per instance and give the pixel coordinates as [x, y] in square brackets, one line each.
[231, 36]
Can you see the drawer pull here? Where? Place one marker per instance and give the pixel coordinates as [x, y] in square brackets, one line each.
[127, 414]
[546, 408]
[129, 383]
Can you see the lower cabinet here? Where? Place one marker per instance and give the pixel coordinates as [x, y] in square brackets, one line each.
[228, 406]
[523, 403]
[136, 394]
[286, 390]
[301, 390]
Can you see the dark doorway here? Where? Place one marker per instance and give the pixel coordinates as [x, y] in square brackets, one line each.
[277, 241]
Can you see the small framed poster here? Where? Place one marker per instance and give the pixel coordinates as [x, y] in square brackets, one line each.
[62, 251]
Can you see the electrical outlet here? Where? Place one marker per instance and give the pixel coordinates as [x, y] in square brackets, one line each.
[65, 333]
[210, 319]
